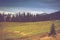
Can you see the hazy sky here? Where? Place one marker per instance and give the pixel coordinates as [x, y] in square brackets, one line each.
[47, 6]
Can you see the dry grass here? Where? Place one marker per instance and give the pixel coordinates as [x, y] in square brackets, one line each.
[15, 30]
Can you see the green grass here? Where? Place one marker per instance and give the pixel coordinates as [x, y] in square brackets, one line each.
[19, 29]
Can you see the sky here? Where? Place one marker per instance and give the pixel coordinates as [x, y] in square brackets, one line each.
[33, 6]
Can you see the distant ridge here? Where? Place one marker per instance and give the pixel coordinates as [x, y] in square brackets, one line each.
[55, 15]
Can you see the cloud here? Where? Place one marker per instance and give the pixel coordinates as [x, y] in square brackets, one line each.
[30, 5]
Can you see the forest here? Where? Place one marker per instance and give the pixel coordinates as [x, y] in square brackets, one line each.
[29, 17]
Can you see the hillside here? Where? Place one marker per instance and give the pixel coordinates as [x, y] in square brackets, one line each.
[54, 16]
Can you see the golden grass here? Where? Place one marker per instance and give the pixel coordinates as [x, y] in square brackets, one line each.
[19, 29]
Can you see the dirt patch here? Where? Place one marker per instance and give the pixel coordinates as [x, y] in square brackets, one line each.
[43, 36]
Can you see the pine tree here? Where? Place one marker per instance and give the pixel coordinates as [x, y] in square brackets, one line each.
[8, 18]
[52, 31]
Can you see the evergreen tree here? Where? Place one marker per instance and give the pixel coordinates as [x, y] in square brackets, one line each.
[1, 17]
[13, 19]
[8, 18]
[52, 31]
[17, 18]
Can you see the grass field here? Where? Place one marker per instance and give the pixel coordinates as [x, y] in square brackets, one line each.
[21, 29]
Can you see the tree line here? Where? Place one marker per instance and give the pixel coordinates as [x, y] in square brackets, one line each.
[25, 17]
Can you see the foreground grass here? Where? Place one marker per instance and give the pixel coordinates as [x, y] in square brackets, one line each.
[21, 29]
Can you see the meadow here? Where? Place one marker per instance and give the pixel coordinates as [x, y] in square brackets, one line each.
[22, 29]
